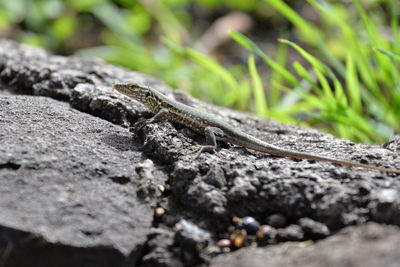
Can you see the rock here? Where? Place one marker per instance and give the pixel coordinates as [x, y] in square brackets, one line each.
[66, 187]
[238, 237]
[385, 205]
[292, 232]
[276, 220]
[192, 240]
[266, 235]
[314, 229]
[159, 246]
[224, 243]
[367, 245]
[250, 224]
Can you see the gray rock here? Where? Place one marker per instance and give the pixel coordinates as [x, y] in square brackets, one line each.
[313, 229]
[160, 253]
[193, 241]
[276, 220]
[266, 234]
[67, 186]
[368, 245]
[292, 232]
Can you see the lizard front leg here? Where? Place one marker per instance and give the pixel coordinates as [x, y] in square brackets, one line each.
[162, 114]
[211, 140]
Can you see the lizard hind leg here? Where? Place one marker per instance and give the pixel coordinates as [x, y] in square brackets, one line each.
[211, 140]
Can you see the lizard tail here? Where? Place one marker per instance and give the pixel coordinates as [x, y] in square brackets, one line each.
[264, 147]
[336, 161]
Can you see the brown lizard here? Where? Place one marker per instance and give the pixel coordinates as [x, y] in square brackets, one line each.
[213, 129]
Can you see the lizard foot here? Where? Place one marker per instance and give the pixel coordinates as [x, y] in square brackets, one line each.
[199, 150]
[138, 125]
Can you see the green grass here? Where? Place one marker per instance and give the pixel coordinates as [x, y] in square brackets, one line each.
[354, 95]
[346, 79]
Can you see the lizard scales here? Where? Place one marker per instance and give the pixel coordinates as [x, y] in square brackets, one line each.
[214, 129]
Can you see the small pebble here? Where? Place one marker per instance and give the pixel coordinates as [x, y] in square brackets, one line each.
[224, 243]
[226, 250]
[276, 220]
[238, 237]
[291, 233]
[237, 220]
[266, 234]
[161, 188]
[313, 228]
[159, 212]
[213, 250]
[250, 225]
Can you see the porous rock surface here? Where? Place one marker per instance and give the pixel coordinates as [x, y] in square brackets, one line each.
[78, 188]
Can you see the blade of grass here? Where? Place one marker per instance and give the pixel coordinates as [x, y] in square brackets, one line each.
[204, 61]
[386, 66]
[302, 72]
[281, 56]
[339, 94]
[352, 84]
[110, 15]
[329, 99]
[310, 58]
[167, 20]
[314, 102]
[368, 25]
[243, 94]
[259, 96]
[395, 77]
[361, 58]
[308, 31]
[394, 22]
[388, 53]
[250, 45]
[291, 99]
[358, 122]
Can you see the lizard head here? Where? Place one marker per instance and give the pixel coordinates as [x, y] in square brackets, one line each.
[134, 90]
[145, 95]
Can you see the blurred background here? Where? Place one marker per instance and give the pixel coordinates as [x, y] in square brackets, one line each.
[333, 64]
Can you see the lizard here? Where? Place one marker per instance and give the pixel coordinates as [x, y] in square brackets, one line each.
[203, 123]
